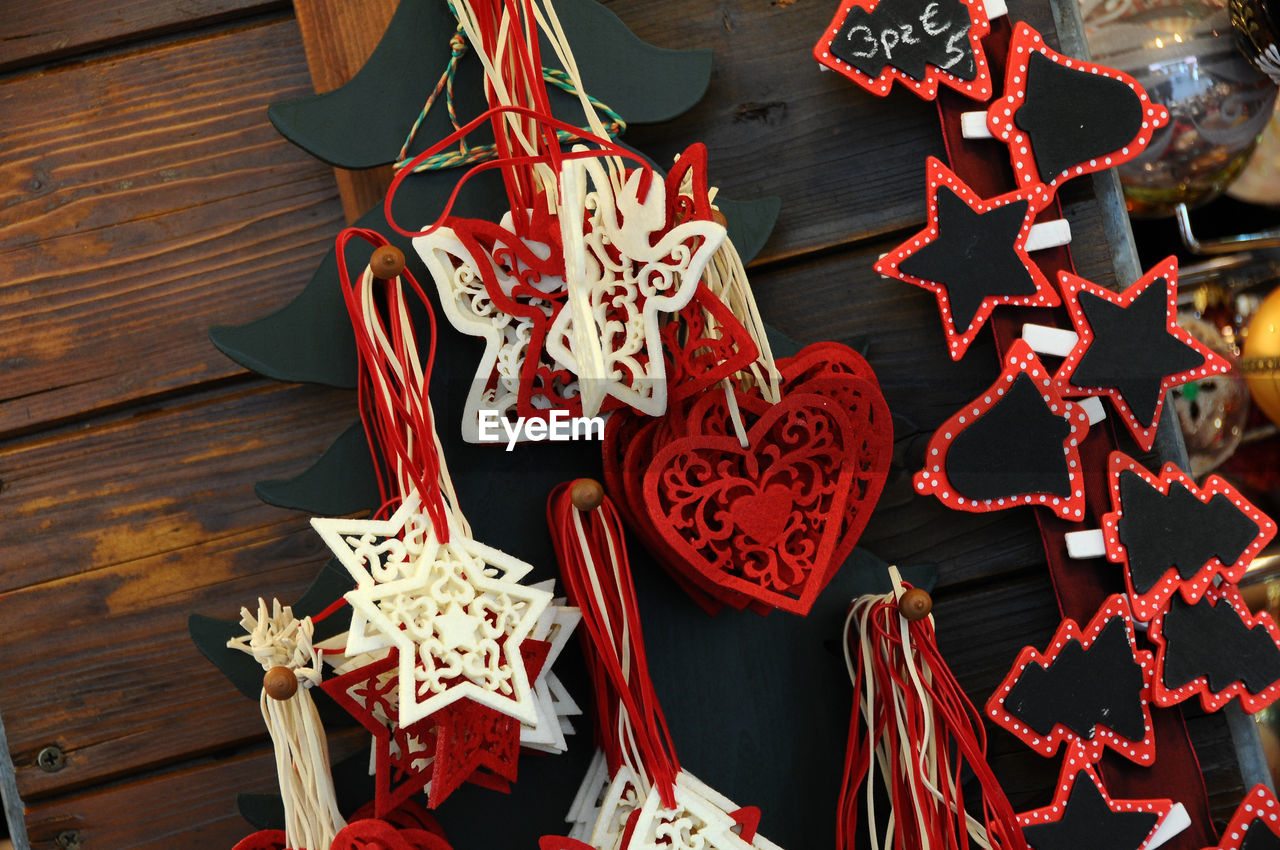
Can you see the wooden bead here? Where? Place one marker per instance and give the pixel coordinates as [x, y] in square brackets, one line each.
[586, 494]
[280, 683]
[915, 604]
[387, 262]
[718, 218]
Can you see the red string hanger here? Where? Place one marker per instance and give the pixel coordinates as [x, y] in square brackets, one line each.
[392, 382]
[915, 722]
[646, 798]
[595, 258]
[446, 661]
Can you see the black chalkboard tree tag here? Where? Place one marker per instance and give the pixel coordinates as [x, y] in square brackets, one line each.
[1015, 444]
[1129, 347]
[1063, 117]
[1042, 703]
[1082, 814]
[972, 255]
[1173, 536]
[1255, 824]
[1217, 649]
[919, 43]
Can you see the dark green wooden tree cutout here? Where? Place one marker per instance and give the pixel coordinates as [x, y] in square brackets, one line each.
[363, 123]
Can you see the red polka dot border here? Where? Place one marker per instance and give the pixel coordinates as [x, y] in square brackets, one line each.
[1144, 433]
[1000, 115]
[1076, 769]
[932, 479]
[1209, 700]
[1259, 805]
[939, 176]
[1147, 606]
[1087, 750]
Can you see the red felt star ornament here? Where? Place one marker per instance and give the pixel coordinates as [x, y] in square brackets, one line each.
[402, 756]
[1131, 348]
[471, 738]
[972, 255]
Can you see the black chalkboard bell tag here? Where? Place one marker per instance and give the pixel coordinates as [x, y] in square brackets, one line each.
[1083, 814]
[1016, 443]
[1255, 824]
[1218, 650]
[1127, 346]
[920, 43]
[1063, 117]
[1171, 535]
[974, 253]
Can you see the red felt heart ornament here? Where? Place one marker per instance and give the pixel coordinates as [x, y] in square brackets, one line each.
[803, 448]
[761, 509]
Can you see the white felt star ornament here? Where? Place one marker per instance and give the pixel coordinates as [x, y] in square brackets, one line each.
[453, 610]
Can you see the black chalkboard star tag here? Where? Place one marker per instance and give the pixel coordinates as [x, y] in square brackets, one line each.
[1041, 702]
[1255, 824]
[1016, 444]
[1082, 814]
[973, 254]
[1172, 535]
[919, 43]
[1128, 346]
[1063, 117]
[1218, 650]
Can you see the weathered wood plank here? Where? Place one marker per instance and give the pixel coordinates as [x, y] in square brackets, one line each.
[116, 534]
[195, 807]
[847, 165]
[52, 29]
[144, 197]
[338, 37]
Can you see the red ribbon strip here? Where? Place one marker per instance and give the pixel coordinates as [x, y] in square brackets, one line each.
[592, 552]
[394, 409]
[1081, 586]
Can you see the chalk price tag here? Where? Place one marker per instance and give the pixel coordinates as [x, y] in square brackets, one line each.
[909, 36]
[920, 43]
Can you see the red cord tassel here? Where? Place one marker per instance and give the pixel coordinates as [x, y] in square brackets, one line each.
[914, 723]
[590, 546]
[394, 406]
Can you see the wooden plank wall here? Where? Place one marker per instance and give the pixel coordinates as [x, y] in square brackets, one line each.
[145, 197]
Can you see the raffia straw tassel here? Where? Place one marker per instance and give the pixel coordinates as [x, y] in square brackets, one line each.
[282, 645]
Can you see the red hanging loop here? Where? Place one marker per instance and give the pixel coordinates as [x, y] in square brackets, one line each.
[606, 148]
[592, 552]
[394, 406]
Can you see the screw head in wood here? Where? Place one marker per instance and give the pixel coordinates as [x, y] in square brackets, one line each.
[51, 759]
[586, 494]
[387, 262]
[915, 604]
[280, 683]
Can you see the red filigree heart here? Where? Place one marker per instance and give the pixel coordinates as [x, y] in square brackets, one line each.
[763, 516]
[805, 444]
